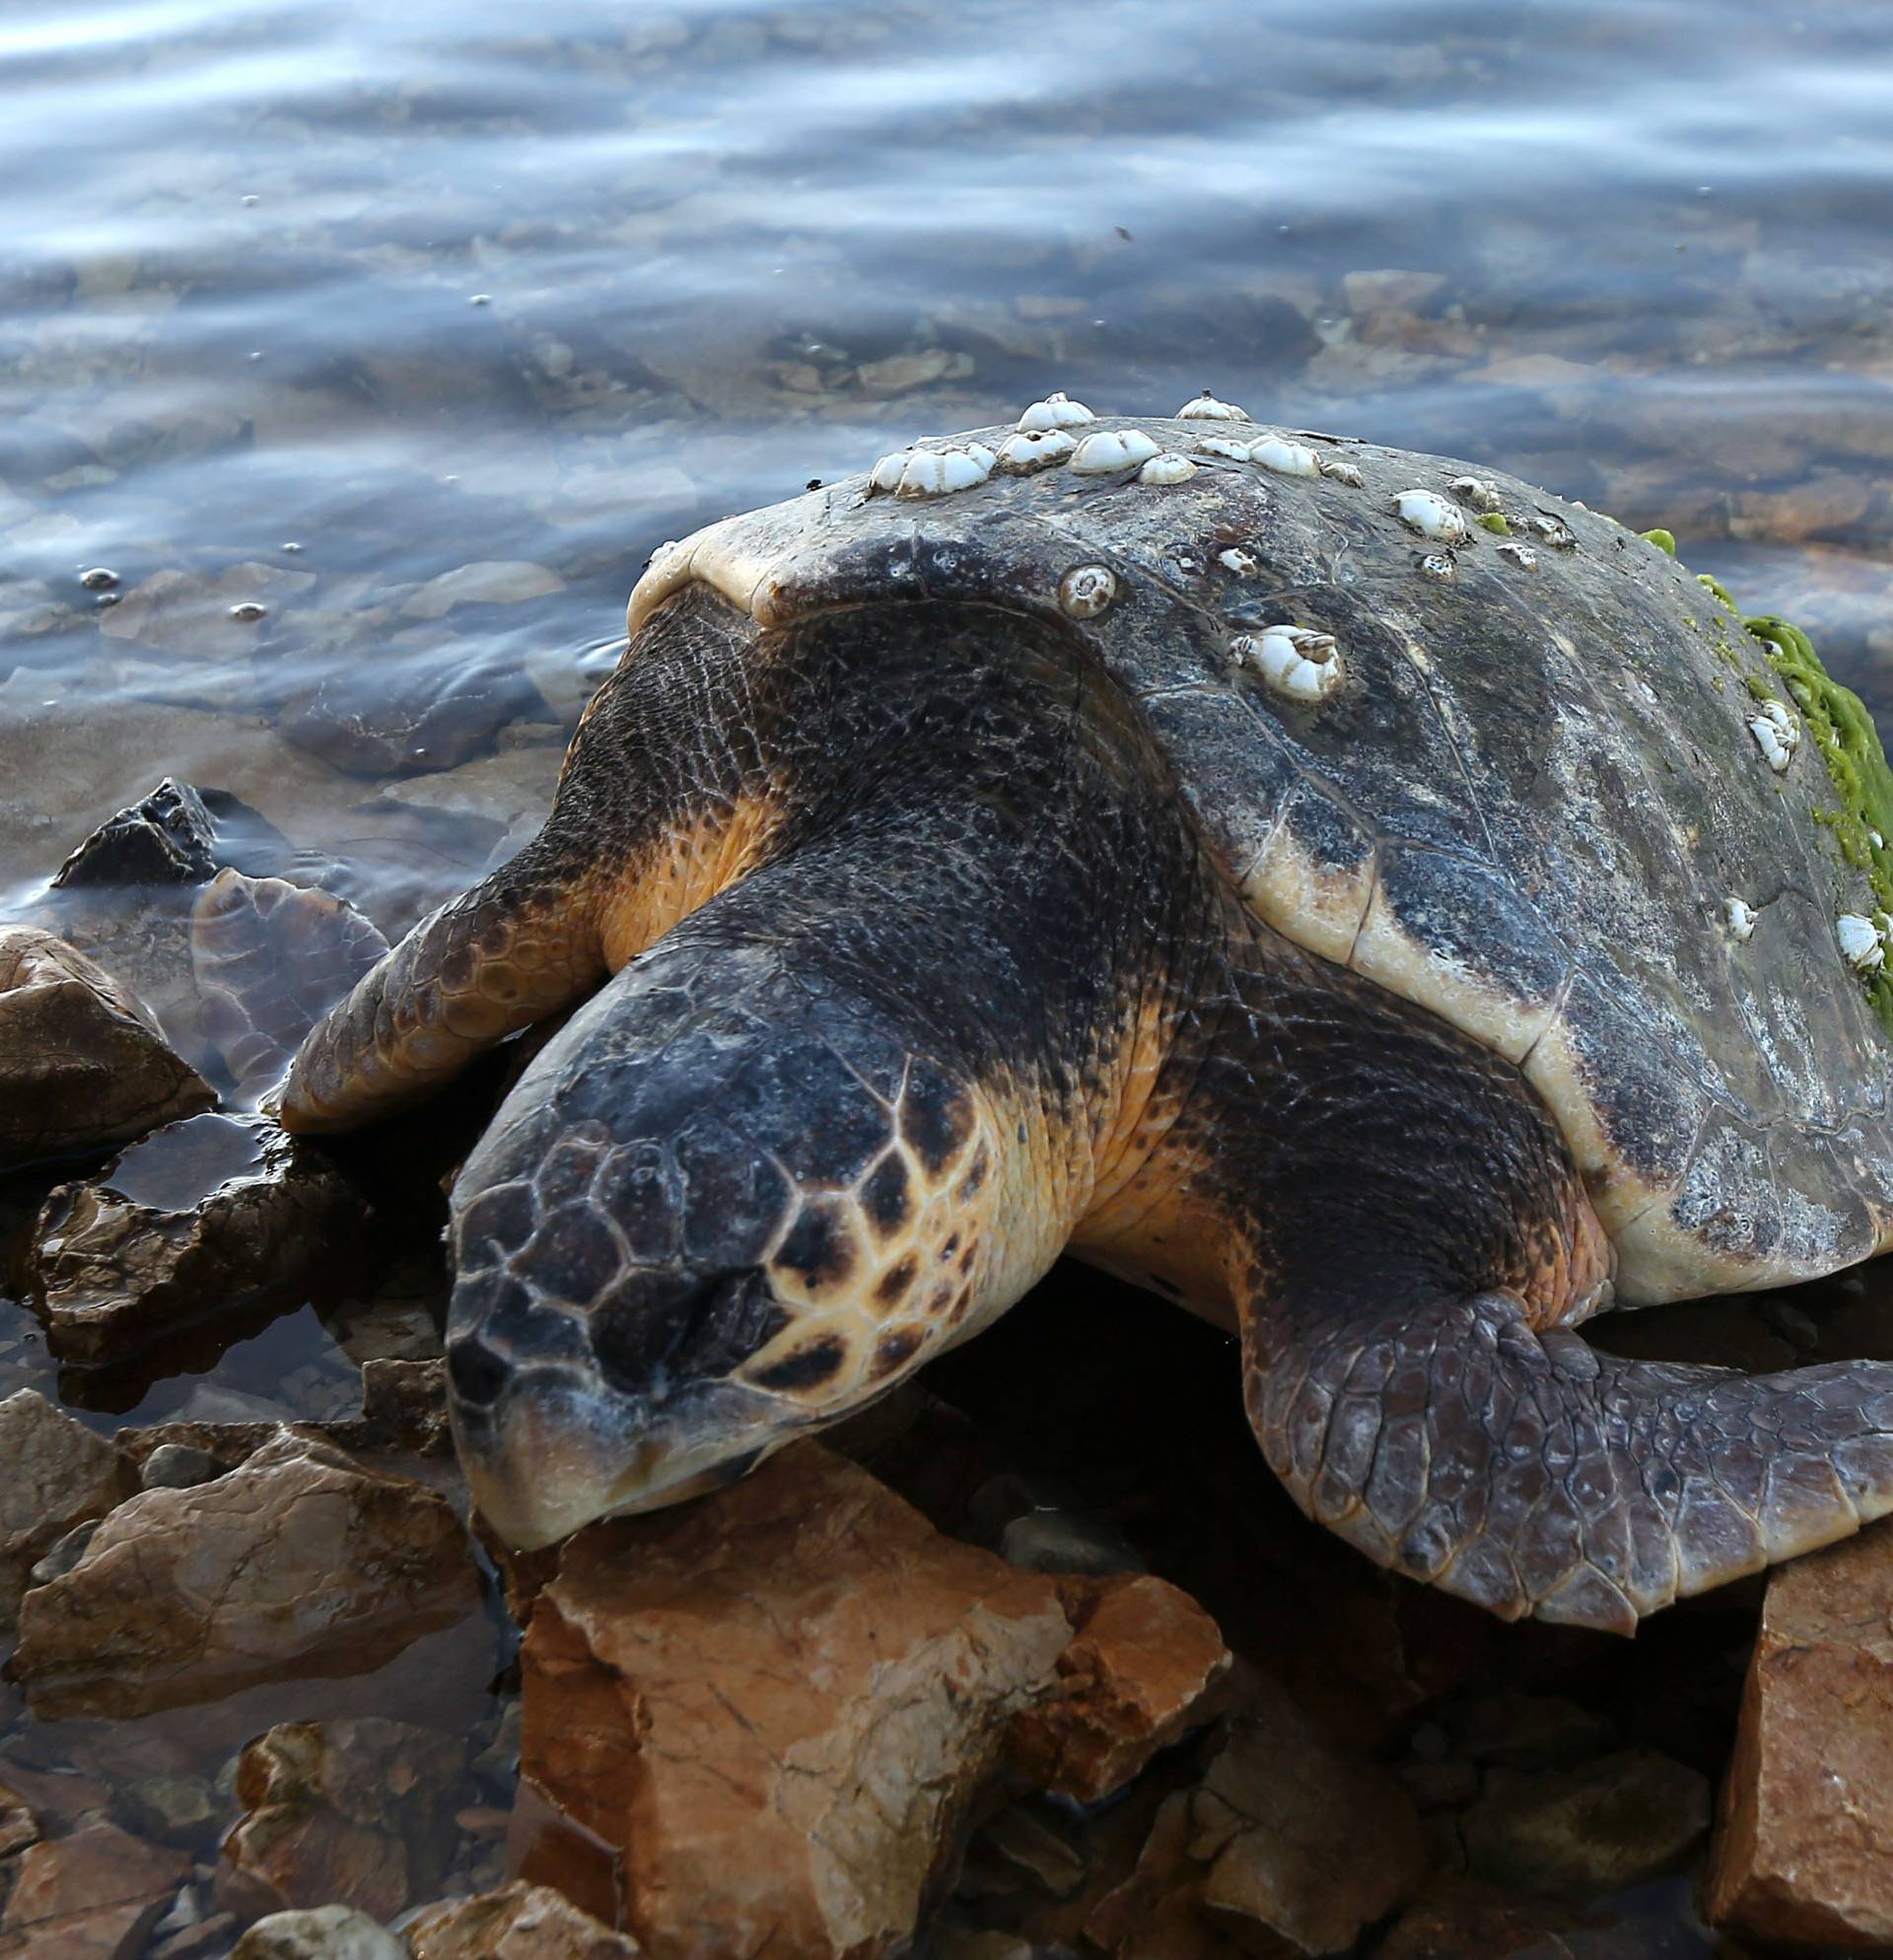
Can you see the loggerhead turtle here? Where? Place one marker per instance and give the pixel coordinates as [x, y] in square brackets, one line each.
[1376, 905]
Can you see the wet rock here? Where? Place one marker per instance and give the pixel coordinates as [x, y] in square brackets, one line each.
[202, 1216]
[270, 959]
[520, 1923]
[493, 582]
[1267, 1851]
[204, 1939]
[405, 1407]
[171, 1808]
[328, 1933]
[176, 1466]
[186, 612]
[1597, 1828]
[1023, 1844]
[1804, 1847]
[166, 838]
[773, 1708]
[356, 1813]
[82, 1062]
[1140, 1670]
[301, 1562]
[57, 1475]
[18, 1827]
[93, 1896]
[1461, 1919]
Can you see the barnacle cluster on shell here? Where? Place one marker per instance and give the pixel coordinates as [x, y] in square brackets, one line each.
[1299, 663]
[1777, 735]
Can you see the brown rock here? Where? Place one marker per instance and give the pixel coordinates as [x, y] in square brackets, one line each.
[300, 1563]
[319, 1932]
[82, 1062]
[18, 1827]
[200, 1217]
[1140, 1672]
[1461, 1919]
[520, 1923]
[93, 1896]
[1597, 1828]
[1804, 1850]
[58, 1474]
[774, 1707]
[1267, 1852]
[354, 1813]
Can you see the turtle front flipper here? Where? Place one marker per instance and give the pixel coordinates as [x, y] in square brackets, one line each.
[514, 949]
[1524, 1470]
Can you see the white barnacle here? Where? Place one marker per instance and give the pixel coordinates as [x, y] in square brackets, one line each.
[1087, 589]
[1738, 915]
[1226, 445]
[1112, 448]
[1555, 531]
[1285, 457]
[1777, 735]
[940, 473]
[1341, 471]
[1476, 492]
[886, 474]
[1521, 555]
[1244, 564]
[1056, 411]
[1863, 943]
[1299, 663]
[1168, 467]
[1028, 450]
[1429, 514]
[1204, 407]
[1440, 565]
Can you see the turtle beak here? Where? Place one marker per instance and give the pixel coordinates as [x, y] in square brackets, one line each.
[553, 1452]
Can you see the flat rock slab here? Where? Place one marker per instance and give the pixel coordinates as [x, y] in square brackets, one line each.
[93, 1896]
[520, 1923]
[301, 1562]
[203, 1216]
[773, 1708]
[354, 1813]
[82, 1062]
[1804, 1850]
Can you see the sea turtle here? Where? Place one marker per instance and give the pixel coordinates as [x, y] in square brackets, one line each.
[1369, 902]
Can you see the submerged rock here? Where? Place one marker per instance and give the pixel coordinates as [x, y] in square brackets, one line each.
[57, 1474]
[1804, 1850]
[300, 1562]
[1140, 1672]
[82, 1062]
[355, 1813]
[94, 1895]
[1594, 1828]
[772, 1709]
[328, 1933]
[270, 959]
[205, 1214]
[520, 1923]
[1290, 1846]
[174, 834]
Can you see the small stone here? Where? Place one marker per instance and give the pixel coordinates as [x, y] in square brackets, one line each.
[299, 1562]
[176, 1466]
[1598, 1828]
[200, 1217]
[357, 1813]
[168, 837]
[58, 1476]
[774, 1707]
[328, 1932]
[81, 1061]
[1140, 1671]
[94, 1895]
[171, 1809]
[520, 1923]
[1804, 1847]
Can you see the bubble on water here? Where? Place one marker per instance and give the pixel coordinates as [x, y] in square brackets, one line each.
[249, 610]
[480, 300]
[97, 578]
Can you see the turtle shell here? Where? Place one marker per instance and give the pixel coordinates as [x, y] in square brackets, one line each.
[1505, 769]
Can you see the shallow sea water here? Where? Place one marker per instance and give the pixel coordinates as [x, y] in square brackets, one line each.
[413, 331]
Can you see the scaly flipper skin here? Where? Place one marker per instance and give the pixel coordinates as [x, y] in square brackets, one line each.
[1531, 1474]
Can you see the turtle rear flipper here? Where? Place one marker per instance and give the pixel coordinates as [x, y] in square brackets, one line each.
[1531, 1474]
[269, 959]
[510, 951]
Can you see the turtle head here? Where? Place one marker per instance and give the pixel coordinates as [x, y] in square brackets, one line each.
[717, 1212]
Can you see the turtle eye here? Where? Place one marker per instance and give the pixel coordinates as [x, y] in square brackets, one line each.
[661, 1332]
